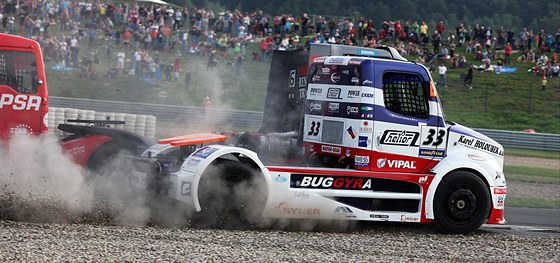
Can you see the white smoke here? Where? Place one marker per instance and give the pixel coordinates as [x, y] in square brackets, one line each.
[39, 182]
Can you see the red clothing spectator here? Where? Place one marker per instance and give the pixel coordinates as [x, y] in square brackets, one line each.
[440, 27]
[507, 50]
[126, 37]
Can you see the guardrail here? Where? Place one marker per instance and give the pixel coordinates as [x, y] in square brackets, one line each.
[253, 120]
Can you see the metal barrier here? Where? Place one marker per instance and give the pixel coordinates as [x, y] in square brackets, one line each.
[524, 140]
[252, 120]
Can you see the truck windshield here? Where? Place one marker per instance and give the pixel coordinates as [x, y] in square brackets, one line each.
[18, 70]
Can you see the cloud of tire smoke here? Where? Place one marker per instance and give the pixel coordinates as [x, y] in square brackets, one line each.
[39, 183]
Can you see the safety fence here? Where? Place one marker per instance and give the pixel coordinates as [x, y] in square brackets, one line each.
[252, 120]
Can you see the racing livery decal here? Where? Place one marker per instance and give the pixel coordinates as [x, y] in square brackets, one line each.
[330, 182]
[400, 138]
[480, 145]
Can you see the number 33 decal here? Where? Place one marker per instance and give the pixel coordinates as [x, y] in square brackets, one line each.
[314, 129]
[434, 140]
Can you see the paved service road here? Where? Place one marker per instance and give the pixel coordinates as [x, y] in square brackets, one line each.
[535, 217]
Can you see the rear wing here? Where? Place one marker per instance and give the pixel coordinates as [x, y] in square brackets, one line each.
[193, 139]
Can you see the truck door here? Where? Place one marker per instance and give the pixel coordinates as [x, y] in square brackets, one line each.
[406, 130]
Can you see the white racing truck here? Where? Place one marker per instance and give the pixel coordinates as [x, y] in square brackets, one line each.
[349, 133]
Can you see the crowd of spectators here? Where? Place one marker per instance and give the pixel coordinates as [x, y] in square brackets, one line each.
[137, 32]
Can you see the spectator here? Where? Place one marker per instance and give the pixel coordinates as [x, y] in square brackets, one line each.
[440, 27]
[436, 41]
[120, 60]
[543, 83]
[507, 51]
[469, 78]
[207, 103]
[442, 70]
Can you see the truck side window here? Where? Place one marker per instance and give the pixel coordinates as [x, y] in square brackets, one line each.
[19, 71]
[405, 93]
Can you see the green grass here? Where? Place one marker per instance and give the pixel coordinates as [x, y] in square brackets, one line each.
[533, 153]
[532, 202]
[532, 174]
[533, 171]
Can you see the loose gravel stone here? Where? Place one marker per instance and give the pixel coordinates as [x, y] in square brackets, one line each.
[22, 241]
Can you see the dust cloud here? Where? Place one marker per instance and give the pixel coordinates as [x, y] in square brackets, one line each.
[40, 183]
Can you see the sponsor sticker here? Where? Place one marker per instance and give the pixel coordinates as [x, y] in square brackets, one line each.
[331, 149]
[371, 53]
[334, 93]
[398, 164]
[409, 218]
[500, 191]
[335, 77]
[431, 152]
[361, 161]
[400, 138]
[280, 179]
[193, 162]
[379, 216]
[501, 201]
[204, 152]
[336, 60]
[315, 107]
[366, 127]
[353, 94]
[186, 188]
[284, 208]
[315, 91]
[20, 102]
[333, 107]
[344, 211]
[330, 182]
[480, 145]
[352, 110]
[363, 141]
[301, 195]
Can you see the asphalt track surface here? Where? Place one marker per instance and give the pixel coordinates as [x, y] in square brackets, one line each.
[533, 217]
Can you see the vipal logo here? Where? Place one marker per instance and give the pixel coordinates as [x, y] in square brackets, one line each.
[381, 162]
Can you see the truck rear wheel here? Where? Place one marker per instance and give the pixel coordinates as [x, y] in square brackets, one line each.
[231, 194]
[461, 203]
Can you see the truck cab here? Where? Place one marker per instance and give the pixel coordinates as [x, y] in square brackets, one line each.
[373, 114]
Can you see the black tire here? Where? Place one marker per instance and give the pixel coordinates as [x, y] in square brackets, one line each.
[106, 154]
[461, 203]
[231, 195]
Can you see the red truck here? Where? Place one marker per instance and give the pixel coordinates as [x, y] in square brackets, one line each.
[24, 108]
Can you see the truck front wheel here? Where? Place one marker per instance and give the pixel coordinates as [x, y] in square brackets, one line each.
[461, 203]
[231, 194]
